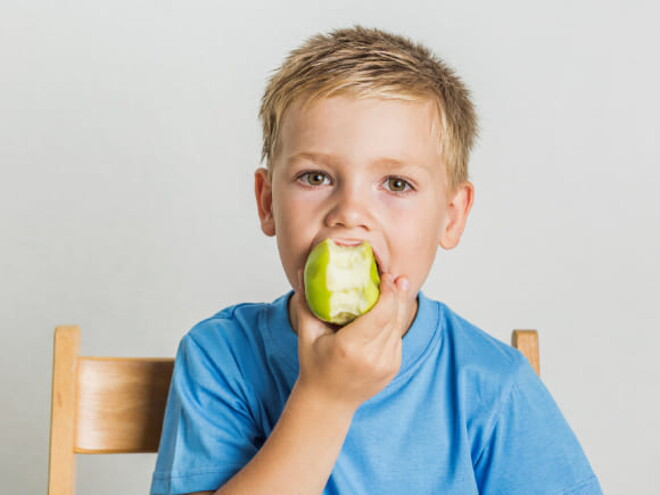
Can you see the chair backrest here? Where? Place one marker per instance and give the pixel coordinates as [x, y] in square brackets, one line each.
[101, 405]
[116, 405]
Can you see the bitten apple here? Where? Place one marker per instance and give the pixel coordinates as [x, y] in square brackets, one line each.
[341, 281]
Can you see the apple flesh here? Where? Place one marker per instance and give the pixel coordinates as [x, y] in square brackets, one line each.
[341, 282]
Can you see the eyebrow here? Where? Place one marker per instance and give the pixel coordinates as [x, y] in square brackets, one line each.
[325, 159]
[313, 157]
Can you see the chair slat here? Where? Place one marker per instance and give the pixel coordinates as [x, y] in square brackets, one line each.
[120, 403]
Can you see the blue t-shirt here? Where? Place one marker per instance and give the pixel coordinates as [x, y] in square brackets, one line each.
[466, 414]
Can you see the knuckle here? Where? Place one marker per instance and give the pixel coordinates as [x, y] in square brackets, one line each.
[345, 349]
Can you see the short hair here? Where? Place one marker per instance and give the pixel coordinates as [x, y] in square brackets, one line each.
[364, 62]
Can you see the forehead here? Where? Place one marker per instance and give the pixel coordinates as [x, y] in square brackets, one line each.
[368, 128]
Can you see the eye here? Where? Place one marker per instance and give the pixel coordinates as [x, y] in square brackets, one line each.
[397, 184]
[314, 178]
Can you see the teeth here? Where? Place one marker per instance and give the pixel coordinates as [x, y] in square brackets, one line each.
[342, 242]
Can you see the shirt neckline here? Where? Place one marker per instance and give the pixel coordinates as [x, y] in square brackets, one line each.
[283, 341]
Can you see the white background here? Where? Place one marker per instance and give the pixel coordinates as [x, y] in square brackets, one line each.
[128, 139]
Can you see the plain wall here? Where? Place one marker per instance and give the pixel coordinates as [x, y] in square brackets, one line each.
[128, 141]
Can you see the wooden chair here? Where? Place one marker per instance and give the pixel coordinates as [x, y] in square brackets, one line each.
[101, 406]
[106, 405]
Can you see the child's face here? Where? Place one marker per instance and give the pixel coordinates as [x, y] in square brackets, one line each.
[362, 169]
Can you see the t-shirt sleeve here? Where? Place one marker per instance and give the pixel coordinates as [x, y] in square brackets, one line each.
[208, 432]
[531, 448]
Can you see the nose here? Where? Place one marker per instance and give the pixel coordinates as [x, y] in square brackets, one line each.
[351, 209]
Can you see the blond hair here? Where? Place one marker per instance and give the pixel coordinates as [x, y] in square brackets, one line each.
[372, 63]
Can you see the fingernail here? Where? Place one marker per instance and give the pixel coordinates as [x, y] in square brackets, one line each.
[404, 285]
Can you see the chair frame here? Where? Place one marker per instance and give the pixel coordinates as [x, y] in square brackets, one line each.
[527, 342]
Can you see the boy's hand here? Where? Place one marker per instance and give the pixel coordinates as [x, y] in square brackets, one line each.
[354, 363]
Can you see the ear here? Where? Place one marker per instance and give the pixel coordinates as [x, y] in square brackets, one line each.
[263, 191]
[458, 208]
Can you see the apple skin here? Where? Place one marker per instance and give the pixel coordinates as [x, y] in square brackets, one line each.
[341, 282]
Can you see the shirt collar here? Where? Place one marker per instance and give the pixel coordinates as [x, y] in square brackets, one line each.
[283, 342]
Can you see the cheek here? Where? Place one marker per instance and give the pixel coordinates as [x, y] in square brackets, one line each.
[414, 232]
[421, 216]
[296, 213]
[295, 219]
[298, 200]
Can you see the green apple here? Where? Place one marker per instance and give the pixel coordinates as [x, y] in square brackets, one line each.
[341, 281]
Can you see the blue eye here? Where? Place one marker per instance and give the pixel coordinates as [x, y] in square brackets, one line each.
[314, 178]
[396, 184]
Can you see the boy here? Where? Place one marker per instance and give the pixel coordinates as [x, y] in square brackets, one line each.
[366, 138]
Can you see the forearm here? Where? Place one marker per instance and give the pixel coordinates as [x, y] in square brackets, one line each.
[299, 455]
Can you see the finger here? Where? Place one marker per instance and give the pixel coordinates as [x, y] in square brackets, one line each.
[384, 313]
[405, 304]
[400, 317]
[402, 283]
[390, 335]
[309, 327]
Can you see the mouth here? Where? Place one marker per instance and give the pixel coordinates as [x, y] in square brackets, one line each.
[347, 242]
[357, 242]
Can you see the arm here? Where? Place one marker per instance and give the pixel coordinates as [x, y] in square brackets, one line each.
[338, 372]
[300, 452]
[530, 448]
